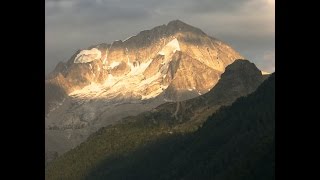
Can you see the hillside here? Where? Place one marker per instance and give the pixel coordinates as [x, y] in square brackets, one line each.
[237, 141]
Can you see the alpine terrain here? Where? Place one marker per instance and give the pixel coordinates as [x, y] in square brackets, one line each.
[173, 72]
[236, 142]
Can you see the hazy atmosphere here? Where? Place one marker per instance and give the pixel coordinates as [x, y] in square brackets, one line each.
[247, 25]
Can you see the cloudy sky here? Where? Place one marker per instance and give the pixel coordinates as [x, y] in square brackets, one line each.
[247, 25]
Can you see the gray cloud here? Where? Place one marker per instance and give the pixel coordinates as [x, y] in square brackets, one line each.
[246, 25]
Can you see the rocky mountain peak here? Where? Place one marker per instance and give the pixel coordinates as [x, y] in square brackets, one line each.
[244, 64]
[136, 59]
[242, 67]
[179, 26]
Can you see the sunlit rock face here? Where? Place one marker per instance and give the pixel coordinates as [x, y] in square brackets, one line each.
[106, 82]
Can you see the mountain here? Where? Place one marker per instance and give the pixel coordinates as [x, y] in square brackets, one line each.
[159, 57]
[166, 121]
[104, 83]
[239, 79]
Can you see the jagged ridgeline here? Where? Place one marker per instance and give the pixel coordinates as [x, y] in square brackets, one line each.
[236, 142]
[104, 83]
[166, 54]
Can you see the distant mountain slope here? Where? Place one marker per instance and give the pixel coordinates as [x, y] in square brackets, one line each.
[121, 140]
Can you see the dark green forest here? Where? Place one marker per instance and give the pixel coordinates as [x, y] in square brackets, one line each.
[235, 143]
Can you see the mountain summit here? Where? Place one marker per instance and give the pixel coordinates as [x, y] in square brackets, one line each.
[100, 85]
[165, 57]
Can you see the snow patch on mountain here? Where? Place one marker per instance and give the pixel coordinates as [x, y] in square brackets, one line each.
[128, 38]
[86, 56]
[131, 84]
[114, 64]
[170, 48]
[92, 88]
[138, 69]
[110, 81]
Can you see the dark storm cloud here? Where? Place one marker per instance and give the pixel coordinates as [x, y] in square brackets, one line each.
[247, 25]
